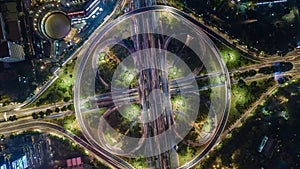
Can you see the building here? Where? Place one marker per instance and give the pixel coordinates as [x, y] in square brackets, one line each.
[267, 146]
[29, 151]
[10, 18]
[10, 51]
[3, 42]
[73, 163]
[55, 25]
[50, 22]
[87, 11]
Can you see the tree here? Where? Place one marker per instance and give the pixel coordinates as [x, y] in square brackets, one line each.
[63, 90]
[64, 108]
[193, 135]
[71, 107]
[35, 116]
[241, 83]
[66, 99]
[252, 72]
[12, 118]
[6, 103]
[41, 113]
[48, 112]
[254, 88]
[266, 70]
[57, 110]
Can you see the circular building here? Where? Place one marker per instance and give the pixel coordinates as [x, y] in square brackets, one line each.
[52, 23]
[56, 25]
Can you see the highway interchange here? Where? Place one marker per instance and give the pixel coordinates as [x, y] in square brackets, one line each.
[112, 159]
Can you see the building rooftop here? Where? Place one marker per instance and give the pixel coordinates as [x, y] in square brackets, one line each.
[3, 44]
[16, 53]
[13, 31]
[57, 25]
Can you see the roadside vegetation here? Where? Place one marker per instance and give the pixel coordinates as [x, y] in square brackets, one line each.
[275, 118]
[243, 95]
[232, 58]
[61, 90]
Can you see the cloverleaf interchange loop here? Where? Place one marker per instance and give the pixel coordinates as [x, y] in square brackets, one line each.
[143, 83]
